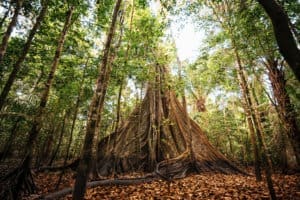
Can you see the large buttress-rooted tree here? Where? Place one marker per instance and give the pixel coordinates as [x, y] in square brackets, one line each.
[10, 28]
[283, 34]
[20, 60]
[21, 177]
[94, 112]
[159, 137]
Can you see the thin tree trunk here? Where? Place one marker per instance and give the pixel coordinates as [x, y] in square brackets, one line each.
[9, 30]
[38, 80]
[96, 106]
[123, 79]
[258, 117]
[17, 65]
[48, 146]
[246, 94]
[119, 106]
[37, 122]
[247, 107]
[286, 110]
[62, 131]
[283, 34]
[80, 93]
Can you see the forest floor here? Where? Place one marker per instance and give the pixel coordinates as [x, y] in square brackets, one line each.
[196, 186]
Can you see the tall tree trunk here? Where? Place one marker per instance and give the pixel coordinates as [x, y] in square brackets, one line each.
[77, 104]
[9, 30]
[37, 121]
[119, 106]
[258, 117]
[247, 104]
[48, 145]
[96, 106]
[286, 110]
[62, 131]
[122, 78]
[251, 112]
[284, 36]
[17, 65]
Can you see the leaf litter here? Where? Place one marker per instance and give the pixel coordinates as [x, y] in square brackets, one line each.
[195, 186]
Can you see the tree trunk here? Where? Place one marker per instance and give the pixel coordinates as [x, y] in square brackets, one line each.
[286, 110]
[78, 101]
[122, 78]
[95, 108]
[161, 127]
[249, 114]
[17, 65]
[48, 146]
[249, 104]
[258, 117]
[285, 40]
[24, 177]
[62, 131]
[9, 30]
[119, 106]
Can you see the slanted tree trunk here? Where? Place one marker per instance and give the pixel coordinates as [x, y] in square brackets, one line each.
[95, 109]
[286, 110]
[9, 29]
[283, 34]
[24, 180]
[17, 65]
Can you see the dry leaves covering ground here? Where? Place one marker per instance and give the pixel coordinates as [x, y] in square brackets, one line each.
[203, 186]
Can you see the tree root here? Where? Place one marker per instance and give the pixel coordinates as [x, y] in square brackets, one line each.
[15, 181]
[63, 192]
[73, 165]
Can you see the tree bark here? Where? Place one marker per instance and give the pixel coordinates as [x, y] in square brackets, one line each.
[17, 65]
[96, 106]
[286, 110]
[9, 30]
[283, 34]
